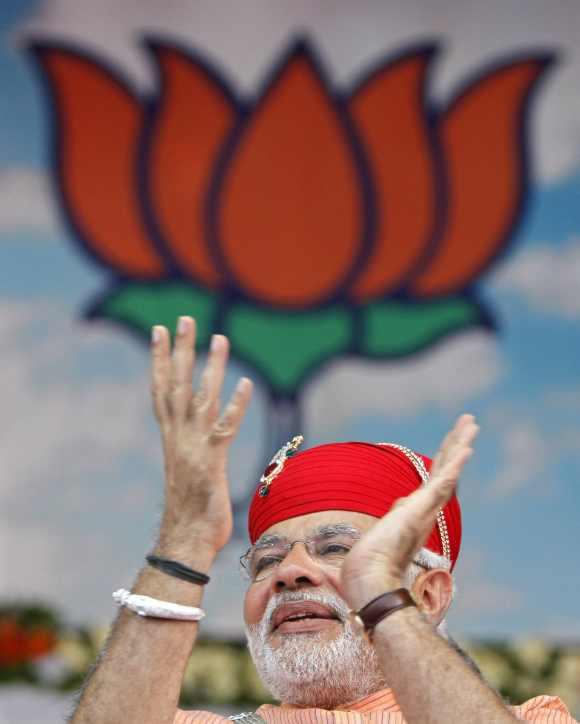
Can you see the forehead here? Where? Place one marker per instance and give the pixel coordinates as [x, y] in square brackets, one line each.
[306, 524]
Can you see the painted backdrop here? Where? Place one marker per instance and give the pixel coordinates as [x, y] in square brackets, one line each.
[377, 202]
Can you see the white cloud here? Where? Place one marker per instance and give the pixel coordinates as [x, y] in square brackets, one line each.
[27, 201]
[38, 548]
[530, 449]
[524, 456]
[58, 418]
[445, 376]
[70, 421]
[81, 465]
[245, 37]
[32, 705]
[478, 594]
[547, 278]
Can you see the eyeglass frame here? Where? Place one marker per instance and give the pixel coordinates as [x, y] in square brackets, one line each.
[325, 531]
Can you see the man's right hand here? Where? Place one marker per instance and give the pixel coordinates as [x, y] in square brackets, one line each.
[196, 440]
[141, 669]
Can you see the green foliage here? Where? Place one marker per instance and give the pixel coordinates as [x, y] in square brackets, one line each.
[520, 673]
[22, 673]
[30, 615]
[28, 631]
[222, 674]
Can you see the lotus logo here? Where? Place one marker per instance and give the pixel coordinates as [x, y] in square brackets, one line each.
[304, 223]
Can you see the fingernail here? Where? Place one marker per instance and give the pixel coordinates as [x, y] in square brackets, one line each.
[216, 342]
[182, 325]
[243, 382]
[155, 334]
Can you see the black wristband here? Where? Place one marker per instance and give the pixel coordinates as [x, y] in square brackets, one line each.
[178, 570]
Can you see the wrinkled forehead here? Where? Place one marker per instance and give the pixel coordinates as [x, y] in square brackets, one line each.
[323, 522]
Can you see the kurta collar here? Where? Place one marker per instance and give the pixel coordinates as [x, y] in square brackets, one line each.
[383, 700]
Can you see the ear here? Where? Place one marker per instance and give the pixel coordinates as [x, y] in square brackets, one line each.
[433, 593]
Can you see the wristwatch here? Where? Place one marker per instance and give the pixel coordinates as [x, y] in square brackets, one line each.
[367, 617]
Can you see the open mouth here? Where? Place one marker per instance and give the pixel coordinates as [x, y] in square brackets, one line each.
[302, 616]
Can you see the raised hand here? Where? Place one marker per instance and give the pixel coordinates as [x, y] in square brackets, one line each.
[377, 563]
[196, 438]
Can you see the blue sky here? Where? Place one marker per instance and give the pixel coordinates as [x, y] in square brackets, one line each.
[520, 534]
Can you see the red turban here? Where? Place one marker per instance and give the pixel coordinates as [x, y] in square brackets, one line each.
[356, 476]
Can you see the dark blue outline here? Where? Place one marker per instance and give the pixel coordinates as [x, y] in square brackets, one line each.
[37, 50]
[154, 46]
[92, 311]
[545, 60]
[428, 49]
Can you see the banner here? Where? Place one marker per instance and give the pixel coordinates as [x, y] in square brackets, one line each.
[376, 202]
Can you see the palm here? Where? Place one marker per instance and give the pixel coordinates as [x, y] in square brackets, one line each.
[196, 438]
[381, 557]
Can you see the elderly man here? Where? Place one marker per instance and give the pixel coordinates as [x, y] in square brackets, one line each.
[349, 573]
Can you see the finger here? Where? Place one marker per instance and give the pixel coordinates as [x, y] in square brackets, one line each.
[463, 423]
[226, 428]
[469, 432]
[444, 485]
[182, 367]
[450, 441]
[426, 501]
[160, 371]
[455, 433]
[464, 437]
[443, 451]
[205, 404]
[416, 514]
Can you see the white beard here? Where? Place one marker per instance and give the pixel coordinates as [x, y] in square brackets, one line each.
[305, 669]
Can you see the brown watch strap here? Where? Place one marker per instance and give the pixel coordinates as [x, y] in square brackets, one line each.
[383, 606]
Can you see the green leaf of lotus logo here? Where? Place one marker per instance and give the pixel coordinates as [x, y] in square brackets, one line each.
[305, 224]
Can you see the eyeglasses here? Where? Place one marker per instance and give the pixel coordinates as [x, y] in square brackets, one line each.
[326, 549]
[262, 559]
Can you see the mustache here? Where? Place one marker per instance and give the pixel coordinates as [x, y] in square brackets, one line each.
[332, 601]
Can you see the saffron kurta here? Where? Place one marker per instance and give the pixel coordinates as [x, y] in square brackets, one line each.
[378, 708]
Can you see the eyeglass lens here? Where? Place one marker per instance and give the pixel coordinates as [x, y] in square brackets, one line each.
[326, 550]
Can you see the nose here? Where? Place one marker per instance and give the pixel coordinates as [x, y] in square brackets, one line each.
[297, 570]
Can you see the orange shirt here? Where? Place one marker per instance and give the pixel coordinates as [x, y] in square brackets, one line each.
[378, 708]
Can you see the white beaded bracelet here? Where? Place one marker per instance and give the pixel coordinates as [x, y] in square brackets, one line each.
[146, 606]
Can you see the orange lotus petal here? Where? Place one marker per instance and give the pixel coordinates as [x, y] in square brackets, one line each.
[291, 219]
[191, 121]
[392, 124]
[99, 124]
[481, 137]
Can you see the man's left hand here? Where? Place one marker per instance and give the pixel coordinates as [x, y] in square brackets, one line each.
[377, 563]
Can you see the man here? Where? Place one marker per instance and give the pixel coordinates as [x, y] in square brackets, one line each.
[333, 529]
